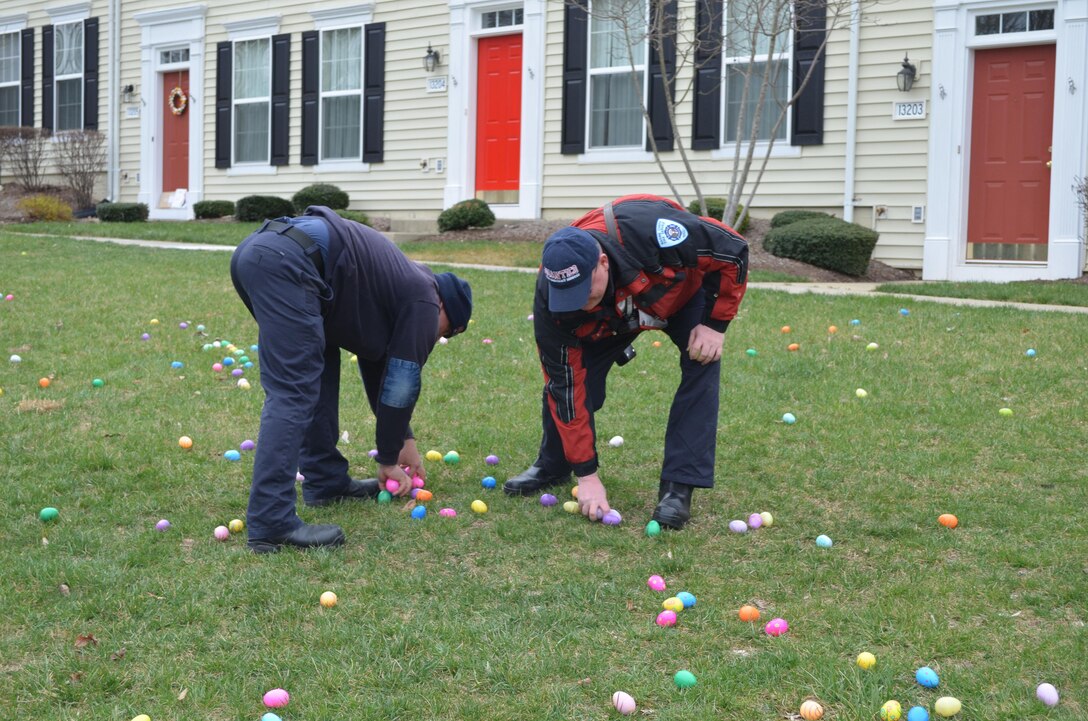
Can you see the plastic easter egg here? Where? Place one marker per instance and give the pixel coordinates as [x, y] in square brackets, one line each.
[656, 583]
[776, 627]
[752, 352]
[328, 599]
[688, 599]
[917, 713]
[392, 485]
[247, 445]
[748, 614]
[232, 455]
[206, 347]
[237, 373]
[612, 518]
[684, 679]
[656, 344]
[1030, 352]
[927, 677]
[548, 500]
[162, 526]
[253, 348]
[824, 541]
[43, 382]
[738, 526]
[666, 618]
[786, 329]
[217, 367]
[623, 703]
[271, 717]
[423, 495]
[948, 520]
[452, 457]
[653, 528]
[98, 383]
[861, 393]
[447, 513]
[1046, 693]
[176, 364]
[433, 456]
[866, 660]
[15, 358]
[221, 533]
[947, 706]
[479, 506]
[789, 419]
[872, 346]
[153, 321]
[419, 512]
[145, 336]
[200, 329]
[855, 322]
[243, 384]
[185, 442]
[832, 329]
[768, 519]
[1005, 412]
[217, 344]
[443, 340]
[183, 325]
[372, 453]
[574, 492]
[571, 506]
[492, 460]
[488, 482]
[891, 711]
[615, 441]
[236, 525]
[141, 717]
[673, 604]
[811, 711]
[299, 478]
[793, 347]
[904, 312]
[755, 520]
[48, 514]
[228, 361]
[276, 698]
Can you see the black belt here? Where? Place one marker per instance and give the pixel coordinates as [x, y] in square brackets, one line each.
[309, 247]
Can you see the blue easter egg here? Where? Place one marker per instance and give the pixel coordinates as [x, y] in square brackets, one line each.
[247, 364]
[228, 361]
[488, 482]
[904, 312]
[917, 713]
[270, 717]
[200, 329]
[177, 364]
[823, 541]
[855, 322]
[253, 348]
[232, 455]
[419, 512]
[926, 677]
[789, 419]
[686, 598]
[1030, 353]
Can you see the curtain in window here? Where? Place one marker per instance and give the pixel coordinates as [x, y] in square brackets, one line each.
[252, 69]
[10, 75]
[752, 23]
[772, 105]
[342, 59]
[615, 115]
[341, 86]
[615, 24]
[253, 83]
[69, 49]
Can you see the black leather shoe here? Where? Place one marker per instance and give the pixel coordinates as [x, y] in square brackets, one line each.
[674, 508]
[305, 536]
[356, 491]
[532, 480]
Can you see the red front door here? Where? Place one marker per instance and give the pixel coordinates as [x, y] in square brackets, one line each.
[175, 132]
[498, 119]
[1008, 215]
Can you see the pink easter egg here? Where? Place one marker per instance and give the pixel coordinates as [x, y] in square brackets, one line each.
[276, 698]
[222, 533]
[299, 478]
[217, 367]
[447, 512]
[755, 520]
[488, 341]
[655, 582]
[418, 482]
[392, 486]
[776, 627]
[623, 702]
[666, 618]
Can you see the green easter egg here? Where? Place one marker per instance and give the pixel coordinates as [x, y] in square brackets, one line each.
[653, 528]
[98, 383]
[48, 514]
[385, 497]
[684, 679]
[451, 457]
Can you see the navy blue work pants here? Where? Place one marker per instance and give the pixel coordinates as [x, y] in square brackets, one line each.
[300, 375]
[691, 435]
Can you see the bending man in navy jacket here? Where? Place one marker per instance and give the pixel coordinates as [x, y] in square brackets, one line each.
[639, 263]
[316, 284]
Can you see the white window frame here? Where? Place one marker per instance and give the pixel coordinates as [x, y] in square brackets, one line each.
[614, 152]
[728, 61]
[18, 82]
[235, 102]
[57, 77]
[322, 94]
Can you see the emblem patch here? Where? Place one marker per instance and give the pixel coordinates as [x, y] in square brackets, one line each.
[670, 233]
[565, 275]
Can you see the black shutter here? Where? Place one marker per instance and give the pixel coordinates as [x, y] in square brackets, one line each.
[373, 92]
[281, 97]
[808, 110]
[575, 58]
[223, 92]
[27, 119]
[706, 125]
[311, 47]
[662, 75]
[90, 74]
[47, 78]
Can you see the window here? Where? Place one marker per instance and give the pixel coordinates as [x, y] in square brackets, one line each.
[171, 57]
[68, 74]
[11, 63]
[252, 100]
[1014, 22]
[617, 41]
[502, 18]
[341, 94]
[757, 51]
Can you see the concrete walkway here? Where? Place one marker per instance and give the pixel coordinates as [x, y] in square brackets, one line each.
[794, 288]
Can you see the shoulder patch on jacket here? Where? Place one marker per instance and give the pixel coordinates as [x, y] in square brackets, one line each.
[670, 233]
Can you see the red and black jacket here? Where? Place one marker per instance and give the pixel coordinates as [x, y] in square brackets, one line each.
[660, 256]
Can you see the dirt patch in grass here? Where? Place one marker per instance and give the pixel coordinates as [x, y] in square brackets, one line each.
[33, 405]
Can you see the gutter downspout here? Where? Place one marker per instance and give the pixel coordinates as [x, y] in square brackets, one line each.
[113, 146]
[852, 113]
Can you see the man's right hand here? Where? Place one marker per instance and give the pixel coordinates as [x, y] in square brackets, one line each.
[397, 474]
[592, 497]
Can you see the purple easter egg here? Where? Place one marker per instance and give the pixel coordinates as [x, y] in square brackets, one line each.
[612, 518]
[548, 500]
[373, 453]
[755, 520]
[492, 460]
[247, 445]
[183, 325]
[163, 525]
[145, 336]
[738, 526]
[237, 372]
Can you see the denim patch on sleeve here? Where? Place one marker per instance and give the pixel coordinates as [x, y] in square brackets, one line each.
[402, 382]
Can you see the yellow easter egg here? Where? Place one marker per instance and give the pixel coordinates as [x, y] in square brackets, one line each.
[673, 604]
[947, 706]
[329, 599]
[154, 321]
[479, 506]
[571, 506]
[433, 456]
[236, 525]
[811, 711]
[866, 660]
[768, 519]
[891, 711]
[143, 716]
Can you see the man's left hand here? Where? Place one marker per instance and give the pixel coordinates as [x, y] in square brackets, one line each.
[409, 456]
[705, 344]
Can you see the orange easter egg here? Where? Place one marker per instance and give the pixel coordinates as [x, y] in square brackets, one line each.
[748, 613]
[44, 382]
[793, 347]
[785, 329]
[832, 329]
[811, 711]
[423, 495]
[948, 520]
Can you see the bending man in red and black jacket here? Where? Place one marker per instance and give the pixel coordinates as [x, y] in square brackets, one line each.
[639, 263]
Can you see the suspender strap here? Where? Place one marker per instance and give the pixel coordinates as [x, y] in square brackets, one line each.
[610, 224]
[309, 247]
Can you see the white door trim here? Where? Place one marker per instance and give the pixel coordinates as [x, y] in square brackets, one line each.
[461, 139]
[950, 141]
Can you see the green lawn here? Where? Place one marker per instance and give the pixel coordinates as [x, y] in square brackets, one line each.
[1045, 292]
[528, 612]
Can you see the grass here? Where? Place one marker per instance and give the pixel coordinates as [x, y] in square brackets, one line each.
[526, 612]
[1044, 292]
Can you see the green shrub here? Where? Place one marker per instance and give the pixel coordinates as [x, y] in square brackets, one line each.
[470, 213]
[255, 208]
[828, 243]
[122, 212]
[792, 216]
[715, 208]
[319, 194]
[45, 207]
[213, 208]
[357, 215]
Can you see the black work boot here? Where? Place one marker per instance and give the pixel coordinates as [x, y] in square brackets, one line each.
[532, 480]
[355, 491]
[304, 537]
[674, 508]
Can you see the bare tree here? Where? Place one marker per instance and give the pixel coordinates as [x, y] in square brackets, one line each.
[22, 151]
[81, 156]
[1080, 189]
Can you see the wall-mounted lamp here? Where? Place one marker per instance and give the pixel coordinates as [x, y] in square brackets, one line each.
[431, 59]
[126, 93]
[907, 75]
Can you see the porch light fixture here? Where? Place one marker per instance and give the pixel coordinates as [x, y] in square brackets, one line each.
[907, 75]
[430, 60]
